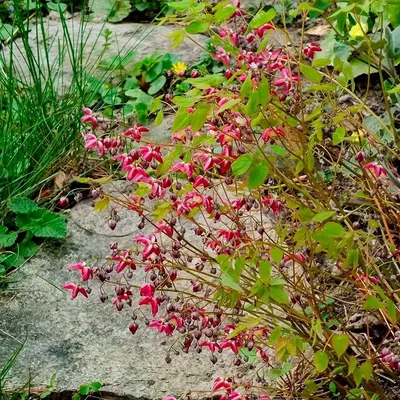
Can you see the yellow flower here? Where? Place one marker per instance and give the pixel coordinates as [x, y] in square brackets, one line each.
[357, 137]
[179, 68]
[358, 31]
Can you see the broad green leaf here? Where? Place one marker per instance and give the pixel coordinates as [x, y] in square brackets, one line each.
[261, 18]
[177, 38]
[366, 370]
[322, 216]
[279, 150]
[60, 7]
[265, 93]
[204, 82]
[279, 294]
[182, 120]
[197, 27]
[275, 335]
[22, 205]
[181, 6]
[246, 87]
[159, 118]
[333, 229]
[6, 31]
[352, 364]
[26, 248]
[242, 164]
[257, 175]
[43, 223]
[338, 135]
[183, 101]
[276, 255]
[311, 73]
[157, 85]
[102, 204]
[199, 116]
[7, 239]
[223, 14]
[111, 10]
[372, 303]
[265, 271]
[340, 343]
[321, 361]
[226, 280]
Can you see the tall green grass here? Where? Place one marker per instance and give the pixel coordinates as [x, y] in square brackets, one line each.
[40, 112]
[4, 372]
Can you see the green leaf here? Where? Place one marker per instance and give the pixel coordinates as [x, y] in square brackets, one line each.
[182, 120]
[154, 72]
[279, 150]
[340, 343]
[333, 229]
[242, 164]
[321, 62]
[352, 364]
[111, 10]
[159, 118]
[7, 239]
[199, 116]
[261, 18]
[275, 335]
[321, 361]
[204, 82]
[183, 101]
[96, 386]
[257, 175]
[265, 93]
[157, 85]
[84, 390]
[265, 271]
[223, 14]
[252, 104]
[197, 27]
[372, 303]
[246, 87]
[278, 293]
[23, 205]
[322, 216]
[43, 223]
[276, 255]
[181, 6]
[311, 73]
[6, 31]
[338, 135]
[226, 280]
[60, 7]
[26, 248]
[366, 370]
[177, 38]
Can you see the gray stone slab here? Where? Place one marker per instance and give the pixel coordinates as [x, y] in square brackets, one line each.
[84, 340]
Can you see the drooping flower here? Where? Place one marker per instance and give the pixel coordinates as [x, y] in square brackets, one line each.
[136, 132]
[75, 290]
[185, 168]
[310, 49]
[151, 246]
[271, 132]
[87, 273]
[286, 80]
[221, 383]
[137, 174]
[89, 117]
[377, 169]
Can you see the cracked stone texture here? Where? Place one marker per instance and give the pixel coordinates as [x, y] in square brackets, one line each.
[144, 39]
[84, 340]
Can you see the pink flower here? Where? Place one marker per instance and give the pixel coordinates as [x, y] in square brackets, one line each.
[222, 55]
[275, 204]
[125, 260]
[147, 291]
[169, 398]
[211, 345]
[157, 191]
[136, 132]
[161, 326]
[286, 80]
[184, 168]
[149, 153]
[162, 226]
[90, 141]
[87, 273]
[137, 174]
[151, 246]
[377, 169]
[221, 383]
[271, 132]
[261, 31]
[201, 181]
[75, 290]
[310, 49]
[89, 118]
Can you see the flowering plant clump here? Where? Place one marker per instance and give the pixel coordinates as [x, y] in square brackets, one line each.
[265, 223]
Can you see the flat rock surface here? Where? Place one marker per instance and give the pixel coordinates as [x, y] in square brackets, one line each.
[144, 39]
[84, 340]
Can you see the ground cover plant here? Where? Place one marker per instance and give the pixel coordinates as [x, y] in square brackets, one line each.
[40, 131]
[270, 219]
